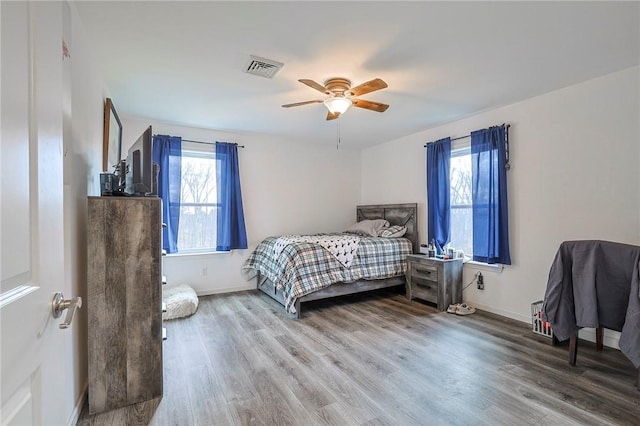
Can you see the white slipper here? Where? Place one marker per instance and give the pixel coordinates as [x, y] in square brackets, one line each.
[464, 309]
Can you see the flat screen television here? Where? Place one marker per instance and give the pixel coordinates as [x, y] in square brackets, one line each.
[141, 176]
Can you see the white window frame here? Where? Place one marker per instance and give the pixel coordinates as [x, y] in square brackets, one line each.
[198, 150]
[461, 148]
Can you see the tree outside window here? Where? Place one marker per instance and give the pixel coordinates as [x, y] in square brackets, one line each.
[197, 230]
[461, 201]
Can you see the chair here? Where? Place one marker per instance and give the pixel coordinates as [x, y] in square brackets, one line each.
[595, 284]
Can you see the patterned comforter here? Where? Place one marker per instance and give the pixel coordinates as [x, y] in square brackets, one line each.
[304, 267]
[343, 247]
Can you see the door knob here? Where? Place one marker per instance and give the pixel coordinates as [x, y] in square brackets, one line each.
[59, 304]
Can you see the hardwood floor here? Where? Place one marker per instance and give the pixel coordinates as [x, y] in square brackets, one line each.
[376, 360]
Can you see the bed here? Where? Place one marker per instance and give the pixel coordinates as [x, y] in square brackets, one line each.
[303, 272]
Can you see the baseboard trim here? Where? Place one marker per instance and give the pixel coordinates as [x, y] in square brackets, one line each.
[501, 312]
[588, 334]
[77, 410]
[209, 292]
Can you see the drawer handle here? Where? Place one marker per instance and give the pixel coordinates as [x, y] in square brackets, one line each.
[428, 287]
[423, 271]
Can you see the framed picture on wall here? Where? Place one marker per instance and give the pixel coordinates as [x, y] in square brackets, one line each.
[112, 137]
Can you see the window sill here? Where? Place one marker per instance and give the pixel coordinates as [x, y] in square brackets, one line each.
[197, 253]
[496, 267]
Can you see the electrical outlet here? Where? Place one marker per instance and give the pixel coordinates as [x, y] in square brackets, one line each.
[480, 280]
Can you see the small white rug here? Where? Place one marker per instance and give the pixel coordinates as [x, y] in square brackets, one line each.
[181, 301]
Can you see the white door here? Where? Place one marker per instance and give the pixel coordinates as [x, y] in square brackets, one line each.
[35, 352]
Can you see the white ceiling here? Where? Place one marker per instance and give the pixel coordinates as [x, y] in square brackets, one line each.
[182, 62]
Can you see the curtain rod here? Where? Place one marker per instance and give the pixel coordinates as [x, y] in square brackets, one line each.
[206, 143]
[463, 137]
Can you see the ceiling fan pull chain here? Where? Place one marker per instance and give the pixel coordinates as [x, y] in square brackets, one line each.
[338, 144]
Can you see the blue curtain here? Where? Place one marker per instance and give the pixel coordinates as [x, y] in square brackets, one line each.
[438, 192]
[489, 194]
[167, 153]
[230, 215]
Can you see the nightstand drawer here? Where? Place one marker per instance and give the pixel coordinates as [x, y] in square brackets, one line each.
[425, 272]
[427, 290]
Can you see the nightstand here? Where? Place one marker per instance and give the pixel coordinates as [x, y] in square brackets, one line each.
[434, 280]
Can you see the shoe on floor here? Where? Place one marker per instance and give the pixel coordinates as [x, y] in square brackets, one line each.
[452, 309]
[464, 309]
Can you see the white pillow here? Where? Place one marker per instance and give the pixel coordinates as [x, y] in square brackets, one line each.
[368, 226]
[395, 231]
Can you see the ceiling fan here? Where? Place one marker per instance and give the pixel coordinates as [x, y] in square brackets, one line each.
[342, 95]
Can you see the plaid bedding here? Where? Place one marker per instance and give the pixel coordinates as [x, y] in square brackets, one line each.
[342, 247]
[304, 267]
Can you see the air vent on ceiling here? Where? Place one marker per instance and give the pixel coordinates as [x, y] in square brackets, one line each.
[263, 67]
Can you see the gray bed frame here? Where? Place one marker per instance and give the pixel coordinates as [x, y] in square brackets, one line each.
[396, 214]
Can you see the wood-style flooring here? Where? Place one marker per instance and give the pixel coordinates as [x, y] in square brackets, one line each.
[375, 359]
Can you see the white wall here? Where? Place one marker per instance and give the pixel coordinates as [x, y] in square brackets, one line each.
[287, 187]
[83, 98]
[574, 175]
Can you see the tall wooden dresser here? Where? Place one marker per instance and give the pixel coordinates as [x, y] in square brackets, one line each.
[124, 293]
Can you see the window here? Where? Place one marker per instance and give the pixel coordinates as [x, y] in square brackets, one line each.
[461, 200]
[467, 202]
[200, 182]
[197, 230]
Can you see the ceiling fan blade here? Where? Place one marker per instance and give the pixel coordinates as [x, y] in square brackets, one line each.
[374, 106]
[332, 115]
[317, 101]
[369, 86]
[319, 87]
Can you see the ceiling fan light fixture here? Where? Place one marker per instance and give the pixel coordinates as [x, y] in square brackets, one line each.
[338, 104]
[342, 96]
